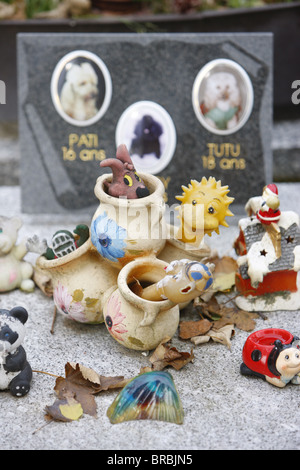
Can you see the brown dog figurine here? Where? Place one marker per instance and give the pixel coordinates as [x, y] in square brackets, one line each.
[125, 180]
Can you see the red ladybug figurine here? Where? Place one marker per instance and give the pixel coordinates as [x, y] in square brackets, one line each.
[272, 354]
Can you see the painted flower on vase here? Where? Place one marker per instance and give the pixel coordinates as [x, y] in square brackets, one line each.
[114, 318]
[108, 237]
[63, 301]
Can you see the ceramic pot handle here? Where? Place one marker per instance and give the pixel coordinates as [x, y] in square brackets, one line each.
[150, 315]
[151, 312]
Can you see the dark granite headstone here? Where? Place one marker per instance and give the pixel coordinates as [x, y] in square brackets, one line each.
[151, 96]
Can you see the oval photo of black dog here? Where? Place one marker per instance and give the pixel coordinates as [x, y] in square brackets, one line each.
[149, 133]
[81, 88]
[222, 96]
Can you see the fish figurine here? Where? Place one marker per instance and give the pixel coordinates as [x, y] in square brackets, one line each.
[184, 281]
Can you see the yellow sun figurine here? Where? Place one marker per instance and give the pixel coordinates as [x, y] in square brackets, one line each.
[203, 209]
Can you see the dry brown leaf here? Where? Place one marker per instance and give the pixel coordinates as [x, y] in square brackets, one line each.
[165, 355]
[66, 409]
[109, 383]
[87, 373]
[136, 287]
[240, 318]
[224, 265]
[145, 369]
[221, 315]
[209, 309]
[221, 335]
[200, 339]
[74, 384]
[188, 329]
[76, 391]
[104, 383]
[224, 273]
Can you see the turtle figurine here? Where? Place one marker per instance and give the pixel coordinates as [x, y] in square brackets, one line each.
[63, 242]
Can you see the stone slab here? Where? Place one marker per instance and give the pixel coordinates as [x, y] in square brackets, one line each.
[60, 163]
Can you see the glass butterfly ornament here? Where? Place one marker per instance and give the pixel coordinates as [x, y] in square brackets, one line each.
[151, 395]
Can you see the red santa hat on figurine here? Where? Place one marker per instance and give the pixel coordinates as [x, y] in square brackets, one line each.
[271, 190]
[269, 211]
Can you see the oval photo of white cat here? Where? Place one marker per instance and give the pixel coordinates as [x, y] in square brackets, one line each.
[81, 88]
[222, 96]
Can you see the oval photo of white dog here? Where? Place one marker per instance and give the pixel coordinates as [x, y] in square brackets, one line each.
[222, 96]
[81, 88]
[149, 133]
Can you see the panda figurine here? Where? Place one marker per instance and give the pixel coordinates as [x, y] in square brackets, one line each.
[15, 371]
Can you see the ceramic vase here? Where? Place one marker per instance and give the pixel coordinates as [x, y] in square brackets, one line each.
[176, 249]
[79, 281]
[125, 229]
[134, 322]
